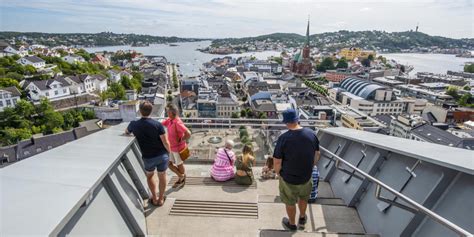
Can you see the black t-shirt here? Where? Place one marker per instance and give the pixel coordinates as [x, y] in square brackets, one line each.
[297, 149]
[148, 132]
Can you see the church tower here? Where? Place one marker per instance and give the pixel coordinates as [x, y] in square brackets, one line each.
[306, 49]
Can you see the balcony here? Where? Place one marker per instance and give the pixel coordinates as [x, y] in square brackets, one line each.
[371, 185]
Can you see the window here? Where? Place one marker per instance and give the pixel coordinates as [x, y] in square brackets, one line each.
[56, 92]
[9, 103]
[47, 93]
[14, 101]
[64, 91]
[1, 103]
[1, 96]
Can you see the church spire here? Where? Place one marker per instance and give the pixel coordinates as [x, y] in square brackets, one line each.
[307, 33]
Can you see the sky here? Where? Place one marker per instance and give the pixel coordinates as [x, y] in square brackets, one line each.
[237, 18]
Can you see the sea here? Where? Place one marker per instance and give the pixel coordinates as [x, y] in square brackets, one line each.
[185, 54]
[190, 59]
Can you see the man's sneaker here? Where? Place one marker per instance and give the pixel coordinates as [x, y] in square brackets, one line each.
[302, 222]
[287, 225]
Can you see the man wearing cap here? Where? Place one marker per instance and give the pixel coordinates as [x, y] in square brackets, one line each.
[295, 154]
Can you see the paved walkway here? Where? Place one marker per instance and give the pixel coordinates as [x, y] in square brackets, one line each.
[327, 218]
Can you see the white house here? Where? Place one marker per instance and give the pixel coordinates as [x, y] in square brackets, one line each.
[73, 59]
[114, 75]
[9, 96]
[51, 89]
[12, 50]
[86, 83]
[34, 61]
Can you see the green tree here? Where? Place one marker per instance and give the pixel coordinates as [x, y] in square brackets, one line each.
[243, 113]
[11, 136]
[14, 75]
[6, 82]
[117, 90]
[126, 83]
[465, 99]
[52, 120]
[342, 63]
[453, 92]
[279, 60]
[30, 70]
[69, 120]
[326, 64]
[371, 57]
[88, 114]
[466, 88]
[25, 109]
[469, 68]
[235, 115]
[169, 98]
[243, 133]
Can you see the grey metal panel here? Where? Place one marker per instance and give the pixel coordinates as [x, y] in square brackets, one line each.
[350, 188]
[28, 208]
[128, 198]
[68, 174]
[137, 173]
[454, 158]
[455, 205]
[100, 218]
[391, 221]
[325, 165]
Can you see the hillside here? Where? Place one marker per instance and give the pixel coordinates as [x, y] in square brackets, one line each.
[377, 40]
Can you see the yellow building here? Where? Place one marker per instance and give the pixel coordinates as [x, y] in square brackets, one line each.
[351, 53]
[357, 120]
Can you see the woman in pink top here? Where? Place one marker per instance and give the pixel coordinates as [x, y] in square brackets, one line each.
[177, 135]
[223, 167]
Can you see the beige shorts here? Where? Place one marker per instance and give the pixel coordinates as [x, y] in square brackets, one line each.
[175, 158]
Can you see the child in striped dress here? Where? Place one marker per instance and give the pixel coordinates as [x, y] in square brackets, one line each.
[223, 167]
[314, 190]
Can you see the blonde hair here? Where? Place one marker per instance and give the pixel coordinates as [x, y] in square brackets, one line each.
[247, 154]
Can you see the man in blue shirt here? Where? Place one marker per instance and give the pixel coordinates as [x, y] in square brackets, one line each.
[295, 154]
[154, 145]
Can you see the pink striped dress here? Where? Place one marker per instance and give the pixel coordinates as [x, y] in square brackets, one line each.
[223, 168]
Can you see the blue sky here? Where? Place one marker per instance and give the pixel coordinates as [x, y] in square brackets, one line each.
[236, 18]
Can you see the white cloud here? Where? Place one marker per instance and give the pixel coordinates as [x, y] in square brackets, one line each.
[237, 18]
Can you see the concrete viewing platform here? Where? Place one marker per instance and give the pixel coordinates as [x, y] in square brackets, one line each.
[207, 208]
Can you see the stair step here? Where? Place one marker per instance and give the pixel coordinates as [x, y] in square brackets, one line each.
[283, 233]
[320, 201]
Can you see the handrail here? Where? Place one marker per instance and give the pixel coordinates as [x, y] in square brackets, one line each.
[418, 207]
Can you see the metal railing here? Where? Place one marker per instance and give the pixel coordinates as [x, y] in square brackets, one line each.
[415, 206]
[278, 125]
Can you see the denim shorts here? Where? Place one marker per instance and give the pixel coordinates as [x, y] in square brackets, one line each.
[160, 163]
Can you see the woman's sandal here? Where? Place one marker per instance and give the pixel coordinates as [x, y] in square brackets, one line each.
[180, 182]
[157, 204]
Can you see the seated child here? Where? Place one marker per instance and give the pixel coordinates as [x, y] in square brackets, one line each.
[267, 170]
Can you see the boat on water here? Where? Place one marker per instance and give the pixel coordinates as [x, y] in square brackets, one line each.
[173, 45]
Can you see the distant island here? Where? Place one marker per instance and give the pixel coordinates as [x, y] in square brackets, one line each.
[380, 41]
[89, 39]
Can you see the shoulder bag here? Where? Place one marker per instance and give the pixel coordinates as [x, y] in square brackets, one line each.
[183, 154]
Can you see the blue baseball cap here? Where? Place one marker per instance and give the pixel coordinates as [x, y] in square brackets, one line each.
[290, 116]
